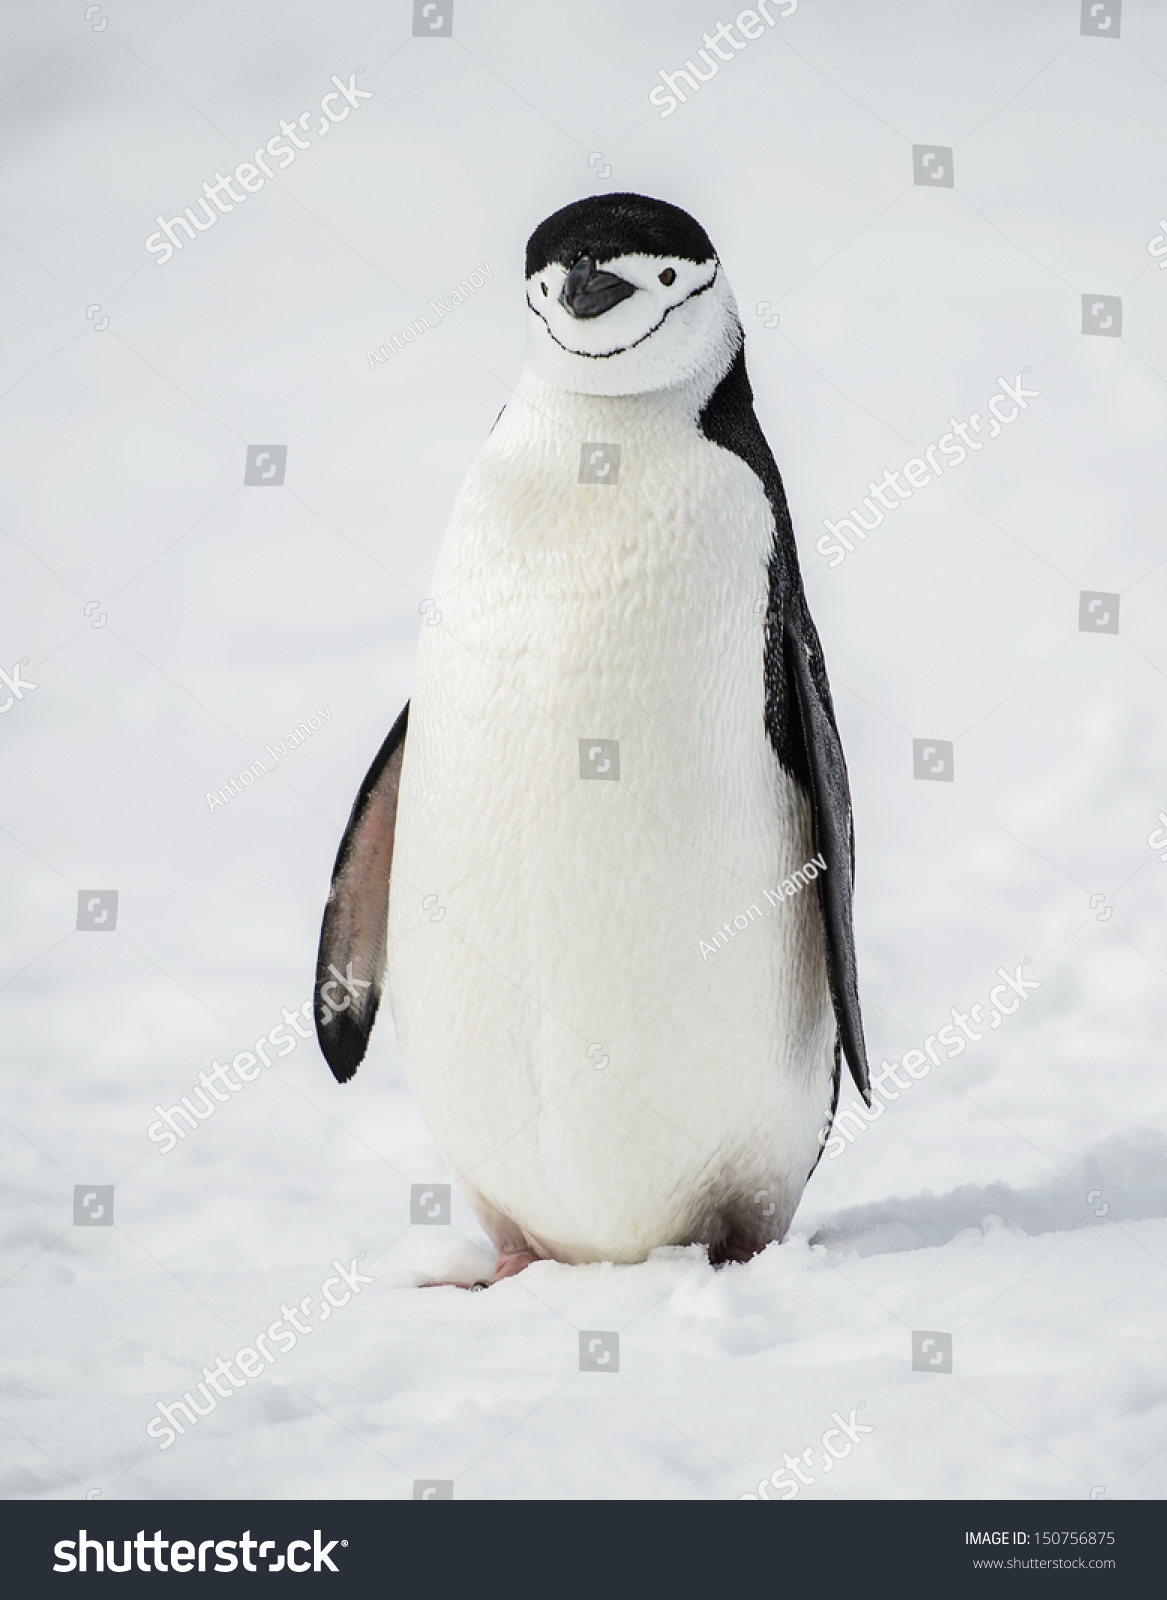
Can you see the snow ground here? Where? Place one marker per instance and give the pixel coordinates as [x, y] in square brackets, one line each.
[1015, 1199]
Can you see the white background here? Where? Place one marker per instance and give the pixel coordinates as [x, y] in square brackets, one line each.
[232, 612]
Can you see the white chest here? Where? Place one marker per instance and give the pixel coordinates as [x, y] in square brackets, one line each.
[543, 906]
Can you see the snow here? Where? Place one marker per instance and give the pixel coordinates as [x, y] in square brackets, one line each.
[1014, 1198]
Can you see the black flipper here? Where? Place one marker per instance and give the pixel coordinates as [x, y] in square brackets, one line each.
[350, 966]
[800, 719]
[833, 840]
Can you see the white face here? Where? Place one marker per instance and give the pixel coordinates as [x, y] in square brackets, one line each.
[680, 323]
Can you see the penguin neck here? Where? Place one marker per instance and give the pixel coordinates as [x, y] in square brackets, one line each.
[682, 402]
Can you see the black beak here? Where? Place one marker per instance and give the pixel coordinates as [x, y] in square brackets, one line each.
[588, 293]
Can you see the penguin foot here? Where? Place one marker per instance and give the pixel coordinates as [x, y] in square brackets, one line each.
[511, 1262]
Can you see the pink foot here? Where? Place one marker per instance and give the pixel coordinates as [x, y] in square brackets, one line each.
[509, 1263]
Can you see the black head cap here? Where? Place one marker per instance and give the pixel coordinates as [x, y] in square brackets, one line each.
[616, 225]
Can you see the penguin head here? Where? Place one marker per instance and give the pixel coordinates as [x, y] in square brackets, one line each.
[626, 296]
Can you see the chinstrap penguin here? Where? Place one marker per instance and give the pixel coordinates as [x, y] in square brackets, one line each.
[620, 735]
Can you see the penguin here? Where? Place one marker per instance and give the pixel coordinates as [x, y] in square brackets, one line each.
[620, 738]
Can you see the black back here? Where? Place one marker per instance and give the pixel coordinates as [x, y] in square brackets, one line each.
[800, 717]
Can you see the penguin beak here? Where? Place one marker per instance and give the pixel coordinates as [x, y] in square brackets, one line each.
[588, 293]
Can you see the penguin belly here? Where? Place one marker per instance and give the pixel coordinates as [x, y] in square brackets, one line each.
[598, 1083]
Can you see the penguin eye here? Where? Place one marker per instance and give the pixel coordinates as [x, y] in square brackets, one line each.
[668, 276]
[543, 286]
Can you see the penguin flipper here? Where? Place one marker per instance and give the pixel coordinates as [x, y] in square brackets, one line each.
[830, 797]
[350, 965]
